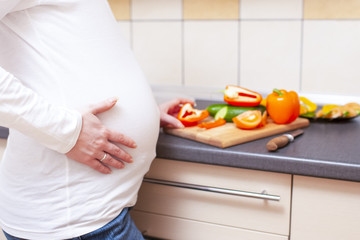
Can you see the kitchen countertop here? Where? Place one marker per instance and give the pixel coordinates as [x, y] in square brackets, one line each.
[4, 132]
[326, 149]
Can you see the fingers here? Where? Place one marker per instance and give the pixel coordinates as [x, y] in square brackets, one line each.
[103, 106]
[115, 156]
[118, 153]
[166, 120]
[98, 166]
[112, 156]
[169, 110]
[108, 160]
[121, 138]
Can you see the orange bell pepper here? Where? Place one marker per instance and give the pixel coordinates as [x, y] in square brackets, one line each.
[190, 116]
[242, 97]
[283, 107]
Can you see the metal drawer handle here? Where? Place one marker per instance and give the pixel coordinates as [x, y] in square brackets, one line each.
[262, 195]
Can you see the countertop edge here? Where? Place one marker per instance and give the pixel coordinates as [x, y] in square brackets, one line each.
[4, 132]
[287, 165]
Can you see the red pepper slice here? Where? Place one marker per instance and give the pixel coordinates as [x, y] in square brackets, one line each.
[189, 116]
[242, 97]
[217, 123]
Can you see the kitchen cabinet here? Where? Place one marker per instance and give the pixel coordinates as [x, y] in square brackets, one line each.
[2, 148]
[180, 212]
[325, 209]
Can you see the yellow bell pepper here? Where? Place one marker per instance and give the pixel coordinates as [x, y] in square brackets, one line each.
[328, 108]
[306, 105]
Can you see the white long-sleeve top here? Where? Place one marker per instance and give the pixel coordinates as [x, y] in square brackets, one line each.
[57, 56]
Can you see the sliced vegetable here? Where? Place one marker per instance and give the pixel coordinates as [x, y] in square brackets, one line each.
[333, 112]
[353, 105]
[248, 120]
[222, 113]
[350, 110]
[263, 102]
[306, 105]
[238, 96]
[230, 111]
[328, 108]
[190, 116]
[263, 119]
[308, 115]
[283, 107]
[213, 124]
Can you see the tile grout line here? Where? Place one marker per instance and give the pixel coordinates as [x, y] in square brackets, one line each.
[182, 45]
[131, 26]
[301, 48]
[239, 46]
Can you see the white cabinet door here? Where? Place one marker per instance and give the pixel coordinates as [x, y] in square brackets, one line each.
[325, 209]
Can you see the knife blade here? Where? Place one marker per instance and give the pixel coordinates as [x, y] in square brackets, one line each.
[282, 140]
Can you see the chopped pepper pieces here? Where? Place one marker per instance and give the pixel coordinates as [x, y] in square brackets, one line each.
[283, 107]
[238, 96]
[213, 124]
[190, 116]
[248, 120]
[263, 119]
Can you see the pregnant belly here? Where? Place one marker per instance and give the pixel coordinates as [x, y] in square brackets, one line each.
[137, 120]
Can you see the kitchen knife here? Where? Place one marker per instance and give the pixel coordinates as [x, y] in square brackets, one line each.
[282, 140]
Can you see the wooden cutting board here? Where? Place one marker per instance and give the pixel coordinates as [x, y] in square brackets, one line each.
[229, 135]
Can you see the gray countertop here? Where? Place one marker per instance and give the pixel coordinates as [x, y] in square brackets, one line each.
[4, 132]
[326, 149]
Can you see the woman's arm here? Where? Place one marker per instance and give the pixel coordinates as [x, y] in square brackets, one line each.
[81, 136]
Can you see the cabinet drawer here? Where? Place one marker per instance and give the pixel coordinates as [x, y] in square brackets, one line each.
[223, 209]
[166, 227]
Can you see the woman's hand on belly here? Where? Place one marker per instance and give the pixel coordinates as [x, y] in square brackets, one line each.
[95, 145]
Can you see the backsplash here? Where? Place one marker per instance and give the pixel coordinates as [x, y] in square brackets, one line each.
[199, 46]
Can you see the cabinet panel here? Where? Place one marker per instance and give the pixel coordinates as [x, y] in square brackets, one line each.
[325, 209]
[166, 227]
[2, 147]
[243, 212]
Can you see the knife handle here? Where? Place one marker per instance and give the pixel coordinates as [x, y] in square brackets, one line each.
[277, 142]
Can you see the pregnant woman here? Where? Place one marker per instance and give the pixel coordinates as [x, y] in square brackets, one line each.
[74, 161]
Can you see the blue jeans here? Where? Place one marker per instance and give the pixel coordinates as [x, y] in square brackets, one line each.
[121, 228]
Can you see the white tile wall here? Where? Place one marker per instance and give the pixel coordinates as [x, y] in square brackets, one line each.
[156, 9]
[331, 57]
[270, 55]
[210, 53]
[158, 48]
[271, 9]
[269, 46]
